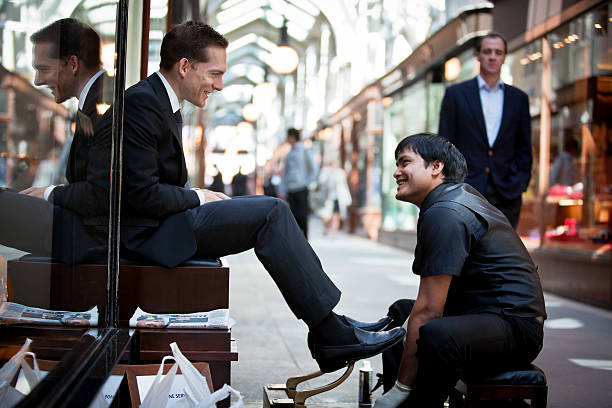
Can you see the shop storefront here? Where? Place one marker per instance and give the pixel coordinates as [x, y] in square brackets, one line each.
[85, 354]
[564, 64]
[353, 140]
[565, 221]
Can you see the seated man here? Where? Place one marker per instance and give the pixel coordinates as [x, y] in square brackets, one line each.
[166, 222]
[480, 304]
[62, 221]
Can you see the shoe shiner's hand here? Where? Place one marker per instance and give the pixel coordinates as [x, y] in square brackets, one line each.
[394, 397]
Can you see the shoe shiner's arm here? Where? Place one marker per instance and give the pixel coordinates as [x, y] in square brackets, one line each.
[394, 397]
[428, 306]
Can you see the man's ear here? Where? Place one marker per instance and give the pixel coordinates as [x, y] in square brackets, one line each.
[437, 166]
[182, 66]
[73, 63]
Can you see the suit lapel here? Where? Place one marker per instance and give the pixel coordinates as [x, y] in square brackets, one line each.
[164, 99]
[84, 128]
[473, 98]
[506, 106]
[160, 91]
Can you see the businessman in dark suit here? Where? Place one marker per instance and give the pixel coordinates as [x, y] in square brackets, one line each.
[165, 221]
[489, 122]
[57, 220]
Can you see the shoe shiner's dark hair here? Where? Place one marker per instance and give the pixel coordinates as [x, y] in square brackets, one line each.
[432, 147]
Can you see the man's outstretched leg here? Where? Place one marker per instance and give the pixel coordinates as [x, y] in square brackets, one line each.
[27, 222]
[267, 225]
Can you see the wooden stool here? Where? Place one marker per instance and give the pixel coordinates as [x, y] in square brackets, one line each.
[529, 383]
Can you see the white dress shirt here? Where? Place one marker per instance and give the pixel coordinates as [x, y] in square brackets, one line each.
[174, 103]
[492, 101]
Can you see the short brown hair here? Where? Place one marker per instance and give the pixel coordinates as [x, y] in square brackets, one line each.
[71, 37]
[189, 40]
[491, 34]
[294, 133]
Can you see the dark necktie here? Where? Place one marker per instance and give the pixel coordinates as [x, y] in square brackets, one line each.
[179, 124]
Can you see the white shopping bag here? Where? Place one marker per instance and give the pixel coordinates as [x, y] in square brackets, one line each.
[29, 376]
[196, 389]
[10, 396]
[196, 382]
[219, 395]
[197, 394]
[157, 397]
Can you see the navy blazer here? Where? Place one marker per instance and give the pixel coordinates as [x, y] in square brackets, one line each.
[153, 219]
[80, 194]
[509, 159]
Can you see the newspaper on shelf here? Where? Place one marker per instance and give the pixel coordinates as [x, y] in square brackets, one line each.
[214, 319]
[15, 313]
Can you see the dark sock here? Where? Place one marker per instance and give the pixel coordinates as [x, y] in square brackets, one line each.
[332, 331]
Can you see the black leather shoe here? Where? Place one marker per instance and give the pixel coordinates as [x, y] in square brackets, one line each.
[334, 357]
[372, 327]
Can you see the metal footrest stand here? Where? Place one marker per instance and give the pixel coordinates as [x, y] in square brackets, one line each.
[287, 396]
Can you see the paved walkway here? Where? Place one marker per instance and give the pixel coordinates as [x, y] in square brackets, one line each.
[577, 354]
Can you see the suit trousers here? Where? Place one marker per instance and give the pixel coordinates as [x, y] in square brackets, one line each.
[453, 345]
[34, 225]
[298, 202]
[510, 208]
[266, 224]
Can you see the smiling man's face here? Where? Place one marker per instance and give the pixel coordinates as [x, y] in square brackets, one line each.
[414, 179]
[203, 78]
[55, 73]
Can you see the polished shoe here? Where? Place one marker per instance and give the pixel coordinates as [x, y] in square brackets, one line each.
[367, 326]
[370, 326]
[334, 357]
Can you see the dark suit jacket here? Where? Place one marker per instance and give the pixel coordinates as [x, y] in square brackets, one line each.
[79, 194]
[509, 160]
[78, 215]
[154, 223]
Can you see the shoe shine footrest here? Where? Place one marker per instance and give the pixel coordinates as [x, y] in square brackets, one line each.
[287, 396]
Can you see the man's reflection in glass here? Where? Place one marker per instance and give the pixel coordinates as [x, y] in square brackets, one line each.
[65, 221]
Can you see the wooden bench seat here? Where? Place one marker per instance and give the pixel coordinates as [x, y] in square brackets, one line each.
[528, 383]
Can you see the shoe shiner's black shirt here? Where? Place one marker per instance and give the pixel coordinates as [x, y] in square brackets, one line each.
[459, 233]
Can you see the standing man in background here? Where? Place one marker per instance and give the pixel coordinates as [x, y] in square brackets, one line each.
[298, 172]
[239, 184]
[489, 122]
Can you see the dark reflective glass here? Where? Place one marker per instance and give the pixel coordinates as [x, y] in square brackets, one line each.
[57, 86]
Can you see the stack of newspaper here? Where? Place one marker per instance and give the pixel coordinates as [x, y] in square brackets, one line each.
[14, 313]
[214, 319]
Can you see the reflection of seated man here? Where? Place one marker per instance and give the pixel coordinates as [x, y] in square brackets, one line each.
[176, 223]
[480, 304]
[67, 60]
